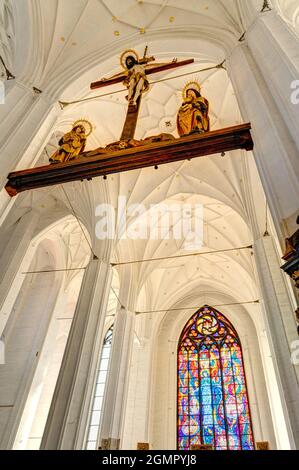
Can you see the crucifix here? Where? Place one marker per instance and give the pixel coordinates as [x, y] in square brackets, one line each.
[103, 162]
[134, 77]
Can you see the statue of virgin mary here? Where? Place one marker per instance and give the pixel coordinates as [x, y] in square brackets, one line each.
[193, 115]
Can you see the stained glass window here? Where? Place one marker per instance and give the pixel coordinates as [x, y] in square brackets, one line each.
[213, 406]
[95, 418]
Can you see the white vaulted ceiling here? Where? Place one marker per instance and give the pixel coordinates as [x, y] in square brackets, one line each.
[69, 37]
[81, 41]
[289, 9]
[61, 40]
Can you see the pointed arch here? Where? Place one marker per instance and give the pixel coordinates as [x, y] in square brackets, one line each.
[95, 414]
[212, 401]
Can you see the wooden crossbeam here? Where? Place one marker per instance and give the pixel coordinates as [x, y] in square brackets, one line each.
[93, 164]
[159, 68]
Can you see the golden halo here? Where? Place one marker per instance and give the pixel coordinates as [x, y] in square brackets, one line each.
[191, 86]
[86, 124]
[126, 54]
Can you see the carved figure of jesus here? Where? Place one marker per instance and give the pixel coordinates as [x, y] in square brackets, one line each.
[136, 80]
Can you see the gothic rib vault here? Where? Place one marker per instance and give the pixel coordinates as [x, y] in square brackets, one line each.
[67, 57]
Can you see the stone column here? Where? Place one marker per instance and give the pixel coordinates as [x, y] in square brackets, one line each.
[14, 244]
[24, 336]
[275, 47]
[26, 123]
[275, 151]
[281, 330]
[115, 398]
[65, 421]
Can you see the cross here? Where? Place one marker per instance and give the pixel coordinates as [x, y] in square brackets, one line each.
[134, 77]
[99, 162]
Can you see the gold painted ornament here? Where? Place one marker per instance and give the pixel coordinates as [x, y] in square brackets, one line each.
[125, 55]
[86, 124]
[191, 86]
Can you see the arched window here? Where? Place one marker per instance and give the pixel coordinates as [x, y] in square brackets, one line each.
[95, 418]
[213, 407]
